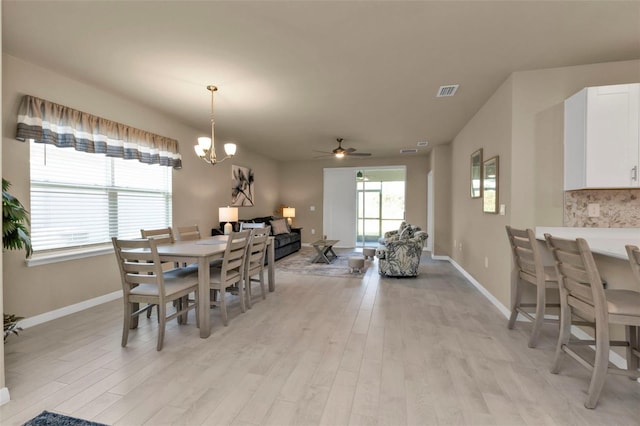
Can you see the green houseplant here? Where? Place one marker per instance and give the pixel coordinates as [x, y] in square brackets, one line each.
[15, 236]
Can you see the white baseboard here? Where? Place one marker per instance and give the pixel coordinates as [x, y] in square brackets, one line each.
[616, 359]
[4, 396]
[71, 309]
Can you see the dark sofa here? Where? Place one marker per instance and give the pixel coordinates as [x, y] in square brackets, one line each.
[284, 244]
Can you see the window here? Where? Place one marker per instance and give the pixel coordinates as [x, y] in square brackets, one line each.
[381, 202]
[80, 199]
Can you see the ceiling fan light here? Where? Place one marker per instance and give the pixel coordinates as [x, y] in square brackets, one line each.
[230, 149]
[204, 142]
[339, 154]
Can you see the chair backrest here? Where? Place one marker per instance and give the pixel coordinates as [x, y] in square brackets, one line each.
[526, 254]
[256, 249]
[161, 236]
[578, 275]
[234, 256]
[139, 263]
[188, 233]
[634, 259]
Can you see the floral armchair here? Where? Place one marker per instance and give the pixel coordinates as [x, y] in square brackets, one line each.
[400, 257]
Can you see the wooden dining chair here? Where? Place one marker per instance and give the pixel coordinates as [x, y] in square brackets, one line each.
[254, 262]
[633, 354]
[145, 281]
[161, 235]
[229, 276]
[530, 270]
[583, 296]
[188, 233]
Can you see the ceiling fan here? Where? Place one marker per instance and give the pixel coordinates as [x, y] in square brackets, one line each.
[341, 152]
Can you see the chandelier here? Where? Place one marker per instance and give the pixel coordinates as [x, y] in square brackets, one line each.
[206, 148]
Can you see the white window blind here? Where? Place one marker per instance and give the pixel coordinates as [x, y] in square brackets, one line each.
[80, 199]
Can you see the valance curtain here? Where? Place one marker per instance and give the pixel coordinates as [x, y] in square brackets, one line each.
[64, 127]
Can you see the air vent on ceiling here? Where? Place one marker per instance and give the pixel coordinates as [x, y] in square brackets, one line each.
[423, 143]
[408, 151]
[445, 91]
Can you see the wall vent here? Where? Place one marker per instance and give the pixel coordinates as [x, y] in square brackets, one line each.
[408, 151]
[445, 91]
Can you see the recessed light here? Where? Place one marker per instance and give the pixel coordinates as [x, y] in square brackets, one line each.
[423, 143]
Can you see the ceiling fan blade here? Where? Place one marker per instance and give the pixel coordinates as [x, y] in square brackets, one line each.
[349, 150]
[359, 154]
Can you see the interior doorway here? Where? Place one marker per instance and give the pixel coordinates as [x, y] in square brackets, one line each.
[380, 195]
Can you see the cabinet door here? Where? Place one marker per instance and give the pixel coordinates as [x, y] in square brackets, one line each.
[612, 136]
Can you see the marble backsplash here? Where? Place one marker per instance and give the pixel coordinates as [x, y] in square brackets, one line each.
[619, 208]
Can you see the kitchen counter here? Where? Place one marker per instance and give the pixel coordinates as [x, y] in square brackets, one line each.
[605, 241]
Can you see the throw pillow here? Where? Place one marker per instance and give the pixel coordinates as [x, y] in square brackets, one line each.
[279, 226]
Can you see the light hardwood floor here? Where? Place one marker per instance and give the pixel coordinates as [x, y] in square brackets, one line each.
[320, 350]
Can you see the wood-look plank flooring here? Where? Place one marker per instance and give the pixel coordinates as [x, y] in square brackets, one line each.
[320, 350]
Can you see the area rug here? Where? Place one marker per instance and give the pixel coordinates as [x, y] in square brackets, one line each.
[47, 418]
[300, 263]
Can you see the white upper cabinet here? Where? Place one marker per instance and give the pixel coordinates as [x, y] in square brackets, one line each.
[602, 137]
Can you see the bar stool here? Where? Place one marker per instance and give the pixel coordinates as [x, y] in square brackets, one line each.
[530, 270]
[583, 296]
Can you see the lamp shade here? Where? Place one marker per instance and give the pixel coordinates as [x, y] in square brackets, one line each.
[228, 214]
[230, 149]
[289, 212]
[204, 142]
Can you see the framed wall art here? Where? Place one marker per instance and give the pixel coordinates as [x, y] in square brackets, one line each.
[490, 185]
[476, 174]
[242, 186]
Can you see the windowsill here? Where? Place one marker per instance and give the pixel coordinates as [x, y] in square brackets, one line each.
[65, 255]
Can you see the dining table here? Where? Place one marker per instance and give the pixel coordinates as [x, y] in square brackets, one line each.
[202, 252]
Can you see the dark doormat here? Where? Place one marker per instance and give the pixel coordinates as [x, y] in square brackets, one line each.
[47, 418]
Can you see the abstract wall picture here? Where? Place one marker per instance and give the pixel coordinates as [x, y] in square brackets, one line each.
[242, 189]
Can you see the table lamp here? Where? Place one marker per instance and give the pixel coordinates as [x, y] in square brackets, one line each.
[289, 212]
[228, 214]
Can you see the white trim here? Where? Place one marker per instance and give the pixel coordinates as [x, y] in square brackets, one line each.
[64, 255]
[616, 359]
[503, 309]
[71, 309]
[4, 396]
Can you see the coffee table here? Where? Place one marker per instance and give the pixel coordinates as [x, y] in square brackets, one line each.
[324, 249]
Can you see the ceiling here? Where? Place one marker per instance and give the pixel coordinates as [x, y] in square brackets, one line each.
[294, 76]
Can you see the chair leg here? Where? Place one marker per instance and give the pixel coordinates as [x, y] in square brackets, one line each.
[565, 333]
[223, 308]
[247, 287]
[516, 294]
[197, 309]
[539, 320]
[126, 323]
[243, 306]
[599, 366]
[162, 314]
[262, 286]
[633, 361]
